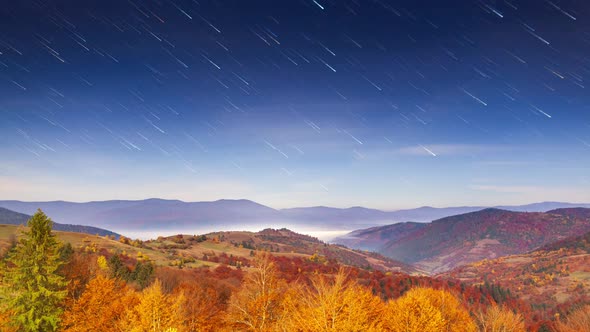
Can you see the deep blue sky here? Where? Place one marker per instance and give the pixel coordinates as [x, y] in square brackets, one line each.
[386, 104]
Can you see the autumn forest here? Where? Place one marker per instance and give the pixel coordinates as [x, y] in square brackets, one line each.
[48, 285]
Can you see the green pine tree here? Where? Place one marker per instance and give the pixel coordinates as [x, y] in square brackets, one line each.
[32, 291]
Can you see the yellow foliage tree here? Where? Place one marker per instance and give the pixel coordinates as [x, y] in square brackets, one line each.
[333, 305]
[577, 321]
[257, 306]
[102, 263]
[155, 311]
[454, 313]
[412, 314]
[500, 319]
[427, 309]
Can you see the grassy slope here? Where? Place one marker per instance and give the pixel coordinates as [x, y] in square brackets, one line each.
[282, 243]
[80, 240]
[166, 250]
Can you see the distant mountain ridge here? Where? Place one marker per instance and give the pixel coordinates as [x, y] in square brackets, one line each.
[374, 238]
[9, 217]
[147, 214]
[161, 214]
[435, 247]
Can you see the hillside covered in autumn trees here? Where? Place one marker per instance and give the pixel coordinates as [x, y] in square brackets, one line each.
[453, 241]
[102, 284]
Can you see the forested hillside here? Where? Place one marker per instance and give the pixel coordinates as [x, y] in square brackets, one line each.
[242, 282]
[553, 278]
[462, 239]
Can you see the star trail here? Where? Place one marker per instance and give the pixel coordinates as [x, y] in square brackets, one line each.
[386, 104]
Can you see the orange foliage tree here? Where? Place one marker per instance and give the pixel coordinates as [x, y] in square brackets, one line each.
[79, 270]
[100, 307]
[5, 322]
[577, 321]
[500, 319]
[205, 305]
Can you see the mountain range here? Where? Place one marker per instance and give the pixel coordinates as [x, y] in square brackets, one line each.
[433, 247]
[160, 215]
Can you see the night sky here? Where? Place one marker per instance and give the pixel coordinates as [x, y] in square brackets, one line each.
[385, 104]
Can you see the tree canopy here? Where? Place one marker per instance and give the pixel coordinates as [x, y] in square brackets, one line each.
[31, 287]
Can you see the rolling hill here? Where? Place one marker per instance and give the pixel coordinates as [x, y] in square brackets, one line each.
[490, 233]
[9, 217]
[215, 248]
[279, 242]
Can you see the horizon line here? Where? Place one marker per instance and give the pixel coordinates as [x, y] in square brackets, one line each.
[294, 207]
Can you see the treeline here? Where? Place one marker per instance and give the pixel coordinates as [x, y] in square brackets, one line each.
[46, 286]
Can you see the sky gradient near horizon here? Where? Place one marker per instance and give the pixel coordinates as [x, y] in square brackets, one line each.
[384, 104]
